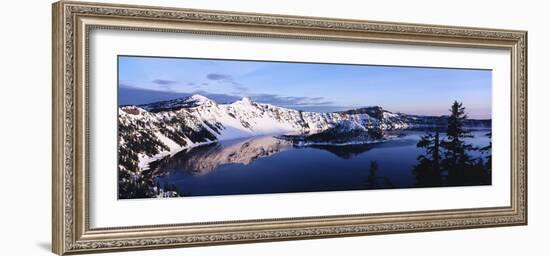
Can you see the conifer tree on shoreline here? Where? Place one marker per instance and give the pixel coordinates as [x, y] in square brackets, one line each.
[428, 171]
[447, 161]
[456, 158]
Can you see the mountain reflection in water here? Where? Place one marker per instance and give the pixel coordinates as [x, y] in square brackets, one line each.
[206, 158]
[203, 159]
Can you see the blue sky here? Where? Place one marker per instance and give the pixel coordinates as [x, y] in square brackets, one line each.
[306, 86]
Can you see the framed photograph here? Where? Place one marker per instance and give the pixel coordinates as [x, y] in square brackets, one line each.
[179, 127]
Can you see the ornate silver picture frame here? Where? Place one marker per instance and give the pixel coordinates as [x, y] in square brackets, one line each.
[74, 21]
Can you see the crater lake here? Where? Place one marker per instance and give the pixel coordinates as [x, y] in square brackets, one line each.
[268, 164]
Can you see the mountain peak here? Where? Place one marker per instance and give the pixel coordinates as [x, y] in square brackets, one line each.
[244, 100]
[194, 100]
[197, 99]
[373, 111]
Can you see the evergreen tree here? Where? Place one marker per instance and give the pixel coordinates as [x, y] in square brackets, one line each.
[374, 181]
[456, 160]
[428, 171]
[487, 149]
[483, 168]
[372, 178]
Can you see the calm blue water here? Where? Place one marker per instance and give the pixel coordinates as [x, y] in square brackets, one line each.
[269, 165]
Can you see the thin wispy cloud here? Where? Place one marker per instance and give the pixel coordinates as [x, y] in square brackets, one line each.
[241, 89]
[177, 86]
[164, 82]
[290, 101]
[220, 77]
[227, 79]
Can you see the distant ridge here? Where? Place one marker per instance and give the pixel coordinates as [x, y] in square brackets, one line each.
[149, 132]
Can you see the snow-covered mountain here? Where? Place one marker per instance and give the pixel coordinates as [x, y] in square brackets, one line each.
[152, 131]
[175, 104]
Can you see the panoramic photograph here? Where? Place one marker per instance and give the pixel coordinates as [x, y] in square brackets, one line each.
[211, 127]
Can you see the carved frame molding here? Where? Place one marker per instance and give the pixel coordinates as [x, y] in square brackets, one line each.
[72, 22]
